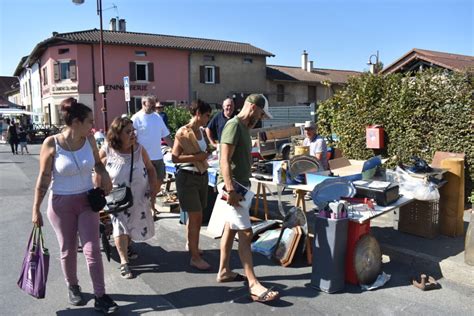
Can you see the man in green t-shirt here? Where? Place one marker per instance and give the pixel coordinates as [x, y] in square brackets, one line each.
[235, 163]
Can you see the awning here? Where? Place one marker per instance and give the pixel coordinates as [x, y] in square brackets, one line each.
[10, 111]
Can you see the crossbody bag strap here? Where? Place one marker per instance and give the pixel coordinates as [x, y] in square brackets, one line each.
[74, 157]
[131, 170]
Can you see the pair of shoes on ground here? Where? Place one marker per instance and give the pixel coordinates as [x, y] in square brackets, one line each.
[426, 283]
[267, 295]
[125, 271]
[104, 304]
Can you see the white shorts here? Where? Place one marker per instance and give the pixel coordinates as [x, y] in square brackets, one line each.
[237, 217]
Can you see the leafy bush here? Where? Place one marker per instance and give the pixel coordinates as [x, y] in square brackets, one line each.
[177, 117]
[422, 113]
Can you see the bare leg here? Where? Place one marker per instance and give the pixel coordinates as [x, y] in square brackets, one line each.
[227, 240]
[245, 253]
[154, 211]
[193, 230]
[122, 243]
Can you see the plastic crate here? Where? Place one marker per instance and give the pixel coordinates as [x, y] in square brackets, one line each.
[420, 218]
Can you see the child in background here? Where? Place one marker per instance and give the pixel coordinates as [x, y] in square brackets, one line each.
[23, 139]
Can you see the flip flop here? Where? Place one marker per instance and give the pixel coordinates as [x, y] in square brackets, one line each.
[422, 284]
[235, 278]
[265, 296]
[432, 284]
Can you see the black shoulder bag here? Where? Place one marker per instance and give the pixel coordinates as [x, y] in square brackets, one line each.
[120, 198]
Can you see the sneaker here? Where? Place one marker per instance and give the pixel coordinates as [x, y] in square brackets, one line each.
[132, 255]
[75, 295]
[105, 304]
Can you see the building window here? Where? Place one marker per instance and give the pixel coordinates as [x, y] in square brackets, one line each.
[45, 76]
[140, 53]
[311, 94]
[64, 70]
[280, 93]
[135, 105]
[63, 51]
[209, 74]
[141, 71]
[248, 60]
[209, 58]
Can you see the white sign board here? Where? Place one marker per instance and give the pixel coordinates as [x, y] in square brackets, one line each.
[126, 88]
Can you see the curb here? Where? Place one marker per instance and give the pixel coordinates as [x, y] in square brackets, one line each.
[449, 269]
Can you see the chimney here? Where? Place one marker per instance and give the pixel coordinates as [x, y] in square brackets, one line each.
[121, 26]
[113, 24]
[310, 66]
[304, 60]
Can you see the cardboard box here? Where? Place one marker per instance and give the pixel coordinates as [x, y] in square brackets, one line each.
[352, 169]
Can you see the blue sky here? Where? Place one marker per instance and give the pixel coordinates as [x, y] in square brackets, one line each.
[337, 34]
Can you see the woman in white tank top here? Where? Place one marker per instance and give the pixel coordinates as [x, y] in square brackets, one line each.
[67, 160]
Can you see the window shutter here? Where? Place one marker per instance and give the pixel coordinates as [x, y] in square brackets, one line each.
[202, 78]
[72, 70]
[217, 75]
[132, 71]
[56, 71]
[151, 72]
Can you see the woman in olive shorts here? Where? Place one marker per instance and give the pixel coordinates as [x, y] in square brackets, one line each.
[190, 154]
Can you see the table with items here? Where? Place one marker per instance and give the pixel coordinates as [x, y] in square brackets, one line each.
[345, 206]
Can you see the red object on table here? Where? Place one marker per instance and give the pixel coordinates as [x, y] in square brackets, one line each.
[354, 233]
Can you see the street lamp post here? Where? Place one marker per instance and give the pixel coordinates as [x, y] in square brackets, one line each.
[374, 67]
[102, 89]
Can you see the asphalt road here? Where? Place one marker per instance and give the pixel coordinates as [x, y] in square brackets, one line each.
[166, 285]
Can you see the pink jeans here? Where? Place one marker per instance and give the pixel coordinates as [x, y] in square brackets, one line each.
[70, 215]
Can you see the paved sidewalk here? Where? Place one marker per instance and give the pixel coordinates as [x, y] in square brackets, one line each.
[166, 285]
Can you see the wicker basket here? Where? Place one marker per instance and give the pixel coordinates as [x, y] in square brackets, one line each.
[420, 218]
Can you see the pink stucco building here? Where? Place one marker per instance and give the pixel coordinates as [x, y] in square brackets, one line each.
[69, 66]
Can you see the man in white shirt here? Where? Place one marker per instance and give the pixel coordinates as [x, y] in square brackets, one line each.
[317, 145]
[150, 129]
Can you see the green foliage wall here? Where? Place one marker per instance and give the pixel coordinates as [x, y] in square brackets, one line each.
[177, 117]
[421, 114]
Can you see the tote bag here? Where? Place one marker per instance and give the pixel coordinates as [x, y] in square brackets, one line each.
[34, 271]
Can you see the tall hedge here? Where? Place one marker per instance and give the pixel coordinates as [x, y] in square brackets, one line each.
[421, 113]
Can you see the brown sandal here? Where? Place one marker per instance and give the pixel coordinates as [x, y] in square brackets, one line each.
[267, 296]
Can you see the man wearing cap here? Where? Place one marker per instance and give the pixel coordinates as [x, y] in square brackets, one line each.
[317, 145]
[160, 109]
[235, 163]
[216, 125]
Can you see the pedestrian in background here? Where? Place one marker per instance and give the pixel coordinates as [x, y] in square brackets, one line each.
[150, 129]
[23, 139]
[216, 125]
[66, 161]
[12, 136]
[235, 164]
[190, 153]
[135, 223]
[160, 109]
